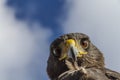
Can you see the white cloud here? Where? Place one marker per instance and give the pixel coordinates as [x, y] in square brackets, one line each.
[19, 45]
[100, 19]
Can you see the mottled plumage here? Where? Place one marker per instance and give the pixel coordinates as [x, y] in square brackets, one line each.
[74, 57]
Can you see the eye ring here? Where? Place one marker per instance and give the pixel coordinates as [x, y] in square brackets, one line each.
[56, 52]
[84, 43]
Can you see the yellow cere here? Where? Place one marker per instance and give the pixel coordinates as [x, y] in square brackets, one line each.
[70, 42]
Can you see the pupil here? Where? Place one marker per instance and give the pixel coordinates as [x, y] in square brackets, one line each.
[84, 43]
[57, 52]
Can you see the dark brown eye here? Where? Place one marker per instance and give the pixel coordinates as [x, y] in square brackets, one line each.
[57, 52]
[84, 43]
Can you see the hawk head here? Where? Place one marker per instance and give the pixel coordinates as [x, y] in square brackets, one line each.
[75, 47]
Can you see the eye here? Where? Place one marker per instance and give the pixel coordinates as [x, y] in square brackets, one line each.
[84, 43]
[57, 52]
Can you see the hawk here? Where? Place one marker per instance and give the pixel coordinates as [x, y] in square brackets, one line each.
[74, 57]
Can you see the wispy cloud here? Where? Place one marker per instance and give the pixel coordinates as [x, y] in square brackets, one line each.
[19, 45]
[100, 19]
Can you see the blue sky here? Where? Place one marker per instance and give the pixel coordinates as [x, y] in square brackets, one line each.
[27, 27]
[45, 12]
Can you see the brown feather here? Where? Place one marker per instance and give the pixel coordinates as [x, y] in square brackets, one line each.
[88, 67]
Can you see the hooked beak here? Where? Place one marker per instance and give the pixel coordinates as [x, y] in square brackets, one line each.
[72, 53]
[72, 50]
